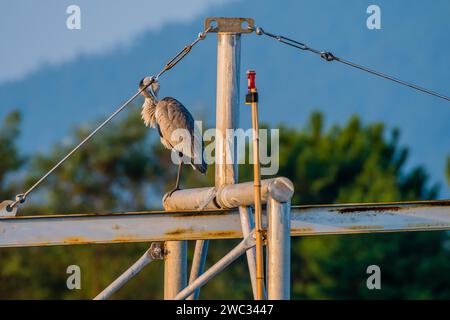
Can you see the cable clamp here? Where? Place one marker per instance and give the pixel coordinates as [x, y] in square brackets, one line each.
[7, 209]
[328, 56]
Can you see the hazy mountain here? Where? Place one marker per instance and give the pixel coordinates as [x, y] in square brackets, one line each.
[412, 44]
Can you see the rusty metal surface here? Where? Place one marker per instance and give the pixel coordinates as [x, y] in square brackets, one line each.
[218, 224]
[229, 195]
[229, 25]
[116, 228]
[371, 218]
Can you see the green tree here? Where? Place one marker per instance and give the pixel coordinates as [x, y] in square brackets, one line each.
[119, 169]
[353, 163]
[356, 163]
[125, 168]
[11, 159]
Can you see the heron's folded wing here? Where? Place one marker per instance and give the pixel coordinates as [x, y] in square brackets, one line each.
[176, 125]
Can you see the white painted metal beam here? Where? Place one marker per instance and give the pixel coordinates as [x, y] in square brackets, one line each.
[228, 196]
[219, 224]
[370, 218]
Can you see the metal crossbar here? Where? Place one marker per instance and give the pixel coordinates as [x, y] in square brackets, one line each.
[230, 257]
[155, 252]
[219, 224]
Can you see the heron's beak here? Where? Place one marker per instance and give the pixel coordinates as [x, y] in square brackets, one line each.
[154, 88]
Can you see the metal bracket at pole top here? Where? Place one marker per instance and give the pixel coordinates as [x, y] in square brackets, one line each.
[230, 25]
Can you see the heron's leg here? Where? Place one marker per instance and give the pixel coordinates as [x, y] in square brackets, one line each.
[177, 184]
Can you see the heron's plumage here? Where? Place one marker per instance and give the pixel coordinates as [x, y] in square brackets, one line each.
[148, 113]
[150, 102]
[169, 116]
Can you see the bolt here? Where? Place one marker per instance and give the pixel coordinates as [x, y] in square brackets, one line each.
[202, 35]
[156, 251]
[20, 198]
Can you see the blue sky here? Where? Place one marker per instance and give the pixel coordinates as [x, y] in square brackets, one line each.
[36, 33]
[61, 78]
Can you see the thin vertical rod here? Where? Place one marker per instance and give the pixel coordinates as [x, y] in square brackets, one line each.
[175, 268]
[227, 104]
[258, 211]
[248, 224]
[279, 250]
[198, 264]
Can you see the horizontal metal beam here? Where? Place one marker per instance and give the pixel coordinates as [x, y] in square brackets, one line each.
[218, 224]
[370, 218]
[117, 228]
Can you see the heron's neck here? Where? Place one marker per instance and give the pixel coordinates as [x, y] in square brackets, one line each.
[150, 96]
[149, 109]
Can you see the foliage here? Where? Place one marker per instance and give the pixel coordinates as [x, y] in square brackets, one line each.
[11, 159]
[125, 168]
[113, 171]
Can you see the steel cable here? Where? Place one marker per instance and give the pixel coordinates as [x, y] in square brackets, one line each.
[20, 198]
[328, 56]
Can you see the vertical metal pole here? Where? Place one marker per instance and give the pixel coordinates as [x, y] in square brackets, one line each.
[175, 268]
[227, 117]
[279, 250]
[227, 103]
[198, 265]
[227, 107]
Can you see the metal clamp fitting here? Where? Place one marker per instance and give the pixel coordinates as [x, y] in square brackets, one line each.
[7, 209]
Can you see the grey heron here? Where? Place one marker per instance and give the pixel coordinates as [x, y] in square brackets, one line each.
[176, 128]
